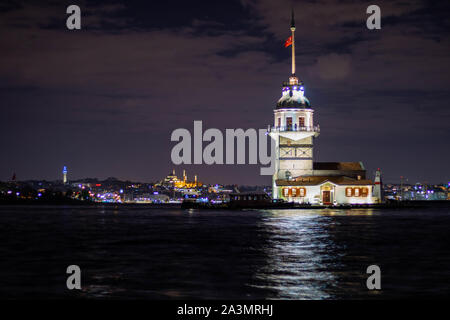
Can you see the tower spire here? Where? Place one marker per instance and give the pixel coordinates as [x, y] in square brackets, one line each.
[292, 18]
[293, 42]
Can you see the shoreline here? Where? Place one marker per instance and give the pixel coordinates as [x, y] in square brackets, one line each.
[203, 206]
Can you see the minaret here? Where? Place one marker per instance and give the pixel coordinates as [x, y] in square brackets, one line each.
[65, 175]
[293, 130]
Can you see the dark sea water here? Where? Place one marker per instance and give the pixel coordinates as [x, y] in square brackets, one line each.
[147, 253]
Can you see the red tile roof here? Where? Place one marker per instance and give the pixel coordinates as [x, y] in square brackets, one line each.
[344, 166]
[316, 180]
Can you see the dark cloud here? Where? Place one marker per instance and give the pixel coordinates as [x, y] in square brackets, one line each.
[104, 100]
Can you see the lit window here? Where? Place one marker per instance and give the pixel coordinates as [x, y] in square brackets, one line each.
[302, 192]
[301, 121]
[348, 192]
[364, 192]
[288, 123]
[356, 192]
[285, 192]
[294, 192]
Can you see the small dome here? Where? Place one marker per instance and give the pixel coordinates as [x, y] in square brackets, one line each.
[295, 101]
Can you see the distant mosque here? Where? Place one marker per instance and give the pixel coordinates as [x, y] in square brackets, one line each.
[173, 181]
[297, 177]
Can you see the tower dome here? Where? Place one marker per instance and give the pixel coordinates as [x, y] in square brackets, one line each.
[293, 96]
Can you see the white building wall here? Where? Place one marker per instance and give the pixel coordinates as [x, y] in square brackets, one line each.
[303, 165]
[275, 190]
[342, 198]
[295, 114]
[314, 195]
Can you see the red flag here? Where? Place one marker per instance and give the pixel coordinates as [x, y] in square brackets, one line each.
[13, 177]
[288, 42]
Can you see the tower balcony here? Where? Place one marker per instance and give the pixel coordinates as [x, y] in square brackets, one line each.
[293, 128]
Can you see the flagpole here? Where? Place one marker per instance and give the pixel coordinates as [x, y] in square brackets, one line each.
[293, 42]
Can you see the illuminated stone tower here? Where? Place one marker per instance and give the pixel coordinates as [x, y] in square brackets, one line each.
[293, 130]
[65, 175]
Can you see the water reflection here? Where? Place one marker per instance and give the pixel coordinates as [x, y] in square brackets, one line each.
[273, 254]
[302, 254]
[299, 253]
[322, 254]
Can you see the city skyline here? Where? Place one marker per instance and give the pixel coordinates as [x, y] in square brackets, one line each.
[179, 173]
[104, 100]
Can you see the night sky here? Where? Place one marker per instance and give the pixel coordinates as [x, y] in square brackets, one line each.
[104, 100]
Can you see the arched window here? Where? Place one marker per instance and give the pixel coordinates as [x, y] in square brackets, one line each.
[348, 192]
[364, 192]
[302, 192]
[288, 123]
[301, 122]
[356, 192]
